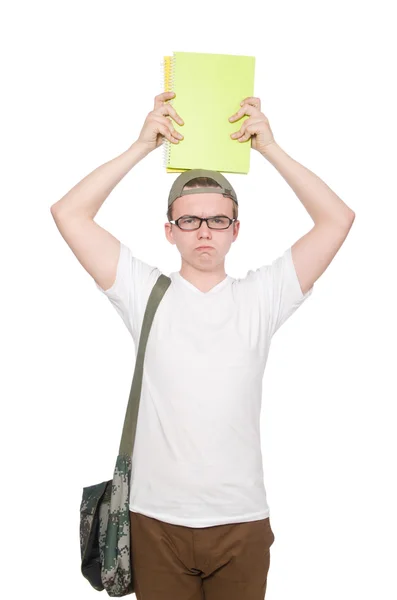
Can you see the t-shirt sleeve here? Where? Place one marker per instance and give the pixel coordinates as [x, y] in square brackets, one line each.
[134, 282]
[283, 294]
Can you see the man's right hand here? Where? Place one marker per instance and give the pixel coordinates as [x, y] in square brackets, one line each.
[157, 126]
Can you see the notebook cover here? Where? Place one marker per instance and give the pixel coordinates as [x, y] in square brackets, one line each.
[208, 88]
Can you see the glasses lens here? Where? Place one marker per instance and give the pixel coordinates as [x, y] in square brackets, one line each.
[188, 222]
[194, 222]
[218, 223]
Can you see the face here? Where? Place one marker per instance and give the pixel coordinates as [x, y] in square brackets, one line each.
[188, 242]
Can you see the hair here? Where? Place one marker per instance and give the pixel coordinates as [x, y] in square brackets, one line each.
[203, 182]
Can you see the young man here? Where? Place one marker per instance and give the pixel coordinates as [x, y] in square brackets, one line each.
[200, 522]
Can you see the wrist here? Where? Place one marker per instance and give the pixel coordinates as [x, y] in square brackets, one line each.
[269, 148]
[139, 149]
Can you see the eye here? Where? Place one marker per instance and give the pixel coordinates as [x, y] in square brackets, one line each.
[220, 221]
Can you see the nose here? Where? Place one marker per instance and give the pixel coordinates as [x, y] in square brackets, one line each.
[204, 229]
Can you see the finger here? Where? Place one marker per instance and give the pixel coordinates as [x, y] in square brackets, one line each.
[244, 137]
[172, 129]
[247, 109]
[161, 98]
[168, 109]
[168, 123]
[165, 131]
[243, 128]
[237, 134]
[253, 101]
[164, 121]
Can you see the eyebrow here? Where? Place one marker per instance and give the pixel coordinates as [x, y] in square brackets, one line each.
[211, 216]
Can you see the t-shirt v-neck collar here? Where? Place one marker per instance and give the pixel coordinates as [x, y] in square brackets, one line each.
[217, 288]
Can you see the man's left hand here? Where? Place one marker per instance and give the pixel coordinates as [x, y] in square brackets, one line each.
[256, 126]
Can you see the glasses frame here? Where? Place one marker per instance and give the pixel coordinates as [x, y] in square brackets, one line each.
[201, 219]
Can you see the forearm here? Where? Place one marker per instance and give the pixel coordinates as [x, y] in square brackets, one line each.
[87, 196]
[320, 201]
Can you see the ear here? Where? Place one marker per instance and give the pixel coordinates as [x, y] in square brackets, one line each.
[236, 226]
[168, 233]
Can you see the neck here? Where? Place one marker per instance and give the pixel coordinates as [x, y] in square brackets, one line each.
[202, 278]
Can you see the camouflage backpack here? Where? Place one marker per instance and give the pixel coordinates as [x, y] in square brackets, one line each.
[104, 510]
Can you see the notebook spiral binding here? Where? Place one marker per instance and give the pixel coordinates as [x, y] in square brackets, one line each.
[167, 84]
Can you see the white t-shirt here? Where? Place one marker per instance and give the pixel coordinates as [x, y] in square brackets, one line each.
[197, 457]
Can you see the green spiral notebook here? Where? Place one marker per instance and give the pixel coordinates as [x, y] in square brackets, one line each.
[208, 90]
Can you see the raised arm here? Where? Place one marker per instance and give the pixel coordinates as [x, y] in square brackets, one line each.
[96, 249]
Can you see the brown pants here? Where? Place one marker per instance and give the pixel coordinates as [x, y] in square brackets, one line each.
[223, 562]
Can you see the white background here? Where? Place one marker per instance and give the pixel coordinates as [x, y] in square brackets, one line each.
[78, 80]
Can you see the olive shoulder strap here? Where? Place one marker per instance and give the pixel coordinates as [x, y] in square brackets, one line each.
[131, 417]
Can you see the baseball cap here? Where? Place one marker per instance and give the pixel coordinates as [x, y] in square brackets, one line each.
[176, 191]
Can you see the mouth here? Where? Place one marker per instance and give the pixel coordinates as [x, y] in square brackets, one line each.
[204, 248]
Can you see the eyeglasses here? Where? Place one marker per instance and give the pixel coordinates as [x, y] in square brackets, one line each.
[191, 222]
